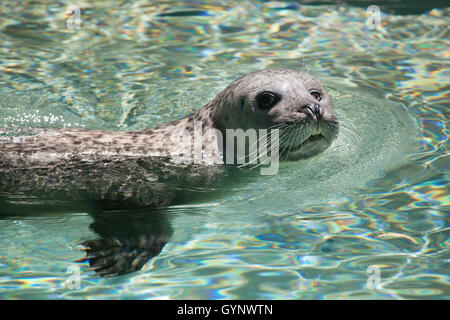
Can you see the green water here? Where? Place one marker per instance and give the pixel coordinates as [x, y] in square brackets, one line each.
[377, 197]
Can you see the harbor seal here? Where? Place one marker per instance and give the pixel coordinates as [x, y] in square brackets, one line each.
[115, 170]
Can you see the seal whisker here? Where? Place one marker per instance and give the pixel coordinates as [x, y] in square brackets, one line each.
[303, 64]
[264, 145]
[344, 120]
[352, 133]
[292, 132]
[346, 123]
[277, 144]
[262, 162]
[293, 138]
[258, 144]
[309, 69]
[296, 136]
[284, 135]
[283, 140]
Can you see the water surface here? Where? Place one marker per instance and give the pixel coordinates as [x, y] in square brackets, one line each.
[377, 197]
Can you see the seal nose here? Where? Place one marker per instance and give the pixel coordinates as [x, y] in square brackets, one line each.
[312, 109]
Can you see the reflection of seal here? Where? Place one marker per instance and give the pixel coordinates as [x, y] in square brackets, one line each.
[137, 169]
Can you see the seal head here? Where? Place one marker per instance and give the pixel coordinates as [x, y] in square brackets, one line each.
[292, 101]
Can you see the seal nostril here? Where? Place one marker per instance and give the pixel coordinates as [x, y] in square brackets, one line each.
[318, 110]
[314, 110]
[307, 109]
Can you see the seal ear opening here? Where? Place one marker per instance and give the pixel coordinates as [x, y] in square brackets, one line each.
[242, 102]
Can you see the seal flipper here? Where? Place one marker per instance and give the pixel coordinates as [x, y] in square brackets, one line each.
[112, 256]
[128, 240]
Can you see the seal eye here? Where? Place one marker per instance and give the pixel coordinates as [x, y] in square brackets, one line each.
[316, 94]
[267, 100]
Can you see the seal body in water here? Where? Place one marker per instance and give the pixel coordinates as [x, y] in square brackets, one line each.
[149, 168]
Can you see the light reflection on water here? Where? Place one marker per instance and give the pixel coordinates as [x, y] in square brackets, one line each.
[378, 196]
